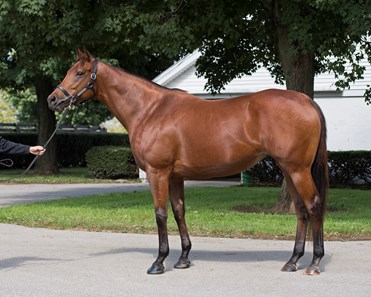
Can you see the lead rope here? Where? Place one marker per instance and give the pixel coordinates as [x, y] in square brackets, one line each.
[6, 162]
[9, 162]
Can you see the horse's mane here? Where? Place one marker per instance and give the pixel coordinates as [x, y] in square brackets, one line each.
[148, 80]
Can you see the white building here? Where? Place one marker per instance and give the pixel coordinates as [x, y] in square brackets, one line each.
[347, 115]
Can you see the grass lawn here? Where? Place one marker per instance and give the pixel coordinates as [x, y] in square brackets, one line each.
[220, 212]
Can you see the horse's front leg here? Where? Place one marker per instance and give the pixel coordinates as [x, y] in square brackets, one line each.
[159, 183]
[177, 203]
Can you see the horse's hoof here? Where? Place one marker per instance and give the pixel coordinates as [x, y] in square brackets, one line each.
[289, 267]
[156, 269]
[312, 270]
[182, 264]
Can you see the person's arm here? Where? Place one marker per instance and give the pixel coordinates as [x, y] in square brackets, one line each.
[8, 147]
[11, 148]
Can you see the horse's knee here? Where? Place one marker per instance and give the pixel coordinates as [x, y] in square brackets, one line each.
[161, 216]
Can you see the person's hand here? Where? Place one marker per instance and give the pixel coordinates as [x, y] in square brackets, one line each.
[37, 150]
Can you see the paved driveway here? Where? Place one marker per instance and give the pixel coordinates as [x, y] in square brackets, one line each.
[26, 193]
[50, 263]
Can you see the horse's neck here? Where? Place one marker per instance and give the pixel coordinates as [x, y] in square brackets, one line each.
[128, 97]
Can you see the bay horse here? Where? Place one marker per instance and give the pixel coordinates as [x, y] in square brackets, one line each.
[176, 136]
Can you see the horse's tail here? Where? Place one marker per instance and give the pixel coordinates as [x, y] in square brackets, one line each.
[320, 165]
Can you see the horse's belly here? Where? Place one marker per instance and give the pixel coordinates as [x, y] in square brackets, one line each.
[211, 167]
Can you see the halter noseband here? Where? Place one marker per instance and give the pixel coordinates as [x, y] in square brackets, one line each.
[93, 77]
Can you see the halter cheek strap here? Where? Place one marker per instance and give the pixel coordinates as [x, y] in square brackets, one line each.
[90, 85]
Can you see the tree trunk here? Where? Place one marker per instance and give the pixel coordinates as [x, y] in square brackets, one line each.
[48, 163]
[298, 68]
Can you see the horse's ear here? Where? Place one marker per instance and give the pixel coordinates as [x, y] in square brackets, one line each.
[79, 54]
[88, 55]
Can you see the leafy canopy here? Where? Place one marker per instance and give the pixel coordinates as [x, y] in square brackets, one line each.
[43, 43]
[240, 36]
[235, 37]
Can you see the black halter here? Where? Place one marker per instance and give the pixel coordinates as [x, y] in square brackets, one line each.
[93, 77]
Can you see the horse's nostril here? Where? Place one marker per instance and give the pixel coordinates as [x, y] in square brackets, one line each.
[53, 99]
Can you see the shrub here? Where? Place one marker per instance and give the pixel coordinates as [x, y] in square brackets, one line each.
[349, 168]
[111, 162]
[265, 172]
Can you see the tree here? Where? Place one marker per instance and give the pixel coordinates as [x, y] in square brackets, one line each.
[294, 40]
[37, 51]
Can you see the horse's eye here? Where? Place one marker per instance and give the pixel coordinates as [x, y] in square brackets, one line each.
[79, 73]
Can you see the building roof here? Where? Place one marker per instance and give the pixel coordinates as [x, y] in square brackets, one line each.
[182, 75]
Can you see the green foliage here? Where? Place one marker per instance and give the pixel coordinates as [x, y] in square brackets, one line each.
[42, 45]
[89, 113]
[111, 162]
[7, 112]
[52, 30]
[235, 38]
[239, 37]
[24, 102]
[347, 168]
[266, 172]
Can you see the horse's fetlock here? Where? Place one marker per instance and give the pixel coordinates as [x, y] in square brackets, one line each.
[186, 244]
[318, 251]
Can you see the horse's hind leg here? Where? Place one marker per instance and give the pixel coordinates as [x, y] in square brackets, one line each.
[301, 228]
[177, 203]
[306, 189]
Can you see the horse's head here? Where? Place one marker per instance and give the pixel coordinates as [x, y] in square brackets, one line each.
[78, 84]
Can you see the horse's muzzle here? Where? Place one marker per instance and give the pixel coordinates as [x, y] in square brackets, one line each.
[57, 105]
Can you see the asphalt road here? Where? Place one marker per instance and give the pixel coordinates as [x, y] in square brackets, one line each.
[40, 262]
[50, 263]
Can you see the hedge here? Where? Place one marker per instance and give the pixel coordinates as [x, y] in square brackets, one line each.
[111, 162]
[71, 147]
[348, 168]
